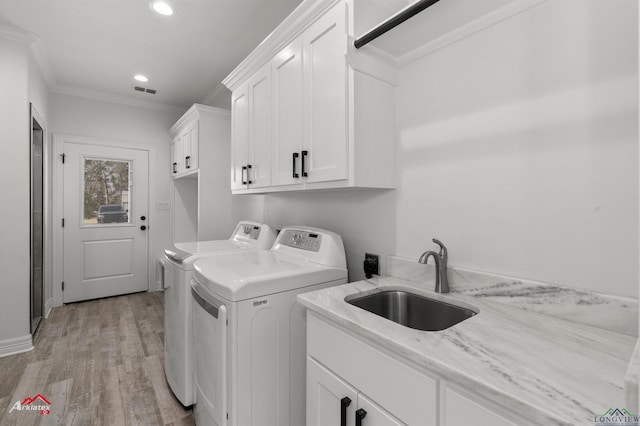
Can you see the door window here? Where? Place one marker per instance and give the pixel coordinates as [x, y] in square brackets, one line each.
[106, 191]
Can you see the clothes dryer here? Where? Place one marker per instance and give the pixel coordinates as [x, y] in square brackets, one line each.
[250, 333]
[178, 271]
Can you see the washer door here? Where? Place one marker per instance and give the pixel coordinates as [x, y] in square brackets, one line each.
[210, 356]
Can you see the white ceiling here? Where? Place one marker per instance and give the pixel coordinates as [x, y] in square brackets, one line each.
[99, 45]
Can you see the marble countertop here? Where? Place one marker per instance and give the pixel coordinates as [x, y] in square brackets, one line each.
[545, 369]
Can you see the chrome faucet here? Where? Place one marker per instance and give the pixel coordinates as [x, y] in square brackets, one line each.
[440, 259]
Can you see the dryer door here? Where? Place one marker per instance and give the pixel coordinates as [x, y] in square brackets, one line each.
[210, 356]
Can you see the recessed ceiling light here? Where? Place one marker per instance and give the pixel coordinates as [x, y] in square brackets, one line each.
[141, 77]
[162, 8]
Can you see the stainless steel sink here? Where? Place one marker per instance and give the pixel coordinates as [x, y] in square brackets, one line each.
[411, 309]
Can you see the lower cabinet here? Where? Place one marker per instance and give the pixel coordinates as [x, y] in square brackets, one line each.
[382, 389]
[351, 382]
[332, 401]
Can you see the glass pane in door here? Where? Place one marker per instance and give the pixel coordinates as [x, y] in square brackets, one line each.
[106, 191]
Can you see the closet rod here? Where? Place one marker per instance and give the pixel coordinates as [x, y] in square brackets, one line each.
[394, 21]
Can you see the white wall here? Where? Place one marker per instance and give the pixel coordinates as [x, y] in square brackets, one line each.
[519, 148]
[138, 126]
[14, 193]
[364, 218]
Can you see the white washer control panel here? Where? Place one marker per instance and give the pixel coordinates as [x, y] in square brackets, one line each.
[303, 240]
[248, 231]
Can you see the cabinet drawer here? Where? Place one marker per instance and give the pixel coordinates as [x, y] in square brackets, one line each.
[406, 393]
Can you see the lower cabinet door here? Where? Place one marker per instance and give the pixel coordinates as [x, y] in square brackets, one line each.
[371, 414]
[330, 400]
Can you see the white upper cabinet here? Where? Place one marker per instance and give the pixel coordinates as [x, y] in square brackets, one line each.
[286, 71]
[251, 113]
[330, 121]
[185, 144]
[240, 137]
[325, 98]
[187, 137]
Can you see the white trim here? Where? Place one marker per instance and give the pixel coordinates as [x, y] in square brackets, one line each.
[118, 99]
[193, 113]
[493, 18]
[213, 95]
[15, 345]
[58, 205]
[48, 307]
[292, 26]
[35, 45]
[34, 114]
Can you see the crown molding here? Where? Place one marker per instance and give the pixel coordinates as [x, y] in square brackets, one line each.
[118, 99]
[210, 99]
[35, 45]
[194, 112]
[292, 26]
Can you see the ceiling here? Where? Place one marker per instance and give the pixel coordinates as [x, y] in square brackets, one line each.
[97, 46]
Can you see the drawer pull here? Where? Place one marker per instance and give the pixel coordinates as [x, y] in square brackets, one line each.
[344, 403]
[360, 414]
[295, 175]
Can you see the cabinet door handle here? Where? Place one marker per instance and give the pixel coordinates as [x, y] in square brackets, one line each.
[360, 414]
[175, 167]
[304, 155]
[187, 161]
[344, 403]
[295, 175]
[244, 169]
[249, 181]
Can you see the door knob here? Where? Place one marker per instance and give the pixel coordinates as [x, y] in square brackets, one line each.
[143, 227]
[143, 217]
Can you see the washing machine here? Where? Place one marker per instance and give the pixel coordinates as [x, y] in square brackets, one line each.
[249, 332]
[178, 271]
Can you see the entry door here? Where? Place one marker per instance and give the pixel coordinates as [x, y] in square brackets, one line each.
[105, 221]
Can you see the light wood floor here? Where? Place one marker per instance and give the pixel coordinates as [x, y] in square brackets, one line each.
[98, 363]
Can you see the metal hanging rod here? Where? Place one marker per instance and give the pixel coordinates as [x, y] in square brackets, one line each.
[394, 21]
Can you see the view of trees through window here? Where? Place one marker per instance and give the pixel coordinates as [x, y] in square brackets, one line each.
[106, 191]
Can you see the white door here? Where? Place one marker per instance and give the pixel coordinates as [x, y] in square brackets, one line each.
[259, 167]
[105, 221]
[325, 97]
[330, 400]
[239, 137]
[287, 109]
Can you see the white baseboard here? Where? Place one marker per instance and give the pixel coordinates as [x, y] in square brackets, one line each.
[16, 345]
[48, 306]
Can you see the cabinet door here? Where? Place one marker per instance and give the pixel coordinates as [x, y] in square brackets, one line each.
[375, 415]
[325, 97]
[259, 171]
[239, 136]
[325, 394]
[191, 154]
[176, 156]
[286, 71]
[185, 148]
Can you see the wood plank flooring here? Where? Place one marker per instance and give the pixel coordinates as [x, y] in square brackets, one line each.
[99, 362]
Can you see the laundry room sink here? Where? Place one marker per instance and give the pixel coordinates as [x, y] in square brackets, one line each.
[411, 309]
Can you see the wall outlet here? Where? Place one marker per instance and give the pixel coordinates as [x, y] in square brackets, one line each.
[371, 265]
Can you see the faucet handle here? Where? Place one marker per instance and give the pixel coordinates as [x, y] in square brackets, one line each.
[443, 249]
